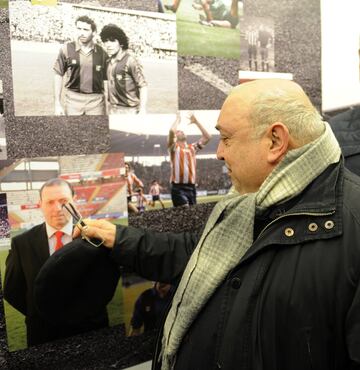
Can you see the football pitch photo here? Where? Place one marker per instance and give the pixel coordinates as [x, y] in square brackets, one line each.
[194, 38]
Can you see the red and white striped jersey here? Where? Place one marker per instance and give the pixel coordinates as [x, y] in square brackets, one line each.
[132, 179]
[183, 162]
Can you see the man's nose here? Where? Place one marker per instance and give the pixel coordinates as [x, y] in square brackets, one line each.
[58, 206]
[219, 152]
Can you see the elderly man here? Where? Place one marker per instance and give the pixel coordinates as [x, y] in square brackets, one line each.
[273, 283]
[29, 251]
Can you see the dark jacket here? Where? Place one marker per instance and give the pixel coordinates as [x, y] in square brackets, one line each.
[292, 303]
[28, 253]
[346, 127]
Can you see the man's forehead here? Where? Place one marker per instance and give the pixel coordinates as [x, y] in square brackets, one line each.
[234, 110]
[84, 25]
[56, 191]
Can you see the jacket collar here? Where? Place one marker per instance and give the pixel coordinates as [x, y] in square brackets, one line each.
[320, 196]
[318, 204]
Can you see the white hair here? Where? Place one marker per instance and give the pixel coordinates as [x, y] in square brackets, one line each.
[298, 115]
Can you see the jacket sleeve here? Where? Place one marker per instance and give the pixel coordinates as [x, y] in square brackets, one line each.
[14, 282]
[154, 256]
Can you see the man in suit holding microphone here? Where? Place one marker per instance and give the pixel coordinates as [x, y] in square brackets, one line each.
[29, 251]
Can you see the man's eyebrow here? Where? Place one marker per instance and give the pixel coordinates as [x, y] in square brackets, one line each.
[220, 128]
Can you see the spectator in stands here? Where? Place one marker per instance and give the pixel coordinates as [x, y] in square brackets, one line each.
[131, 179]
[141, 201]
[127, 87]
[155, 190]
[4, 219]
[183, 162]
[84, 64]
[150, 307]
[28, 253]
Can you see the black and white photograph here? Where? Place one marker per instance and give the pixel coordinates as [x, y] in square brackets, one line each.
[257, 44]
[87, 59]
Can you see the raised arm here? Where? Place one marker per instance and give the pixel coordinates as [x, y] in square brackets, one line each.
[205, 138]
[172, 131]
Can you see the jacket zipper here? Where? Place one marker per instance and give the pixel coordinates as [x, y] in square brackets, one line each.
[295, 214]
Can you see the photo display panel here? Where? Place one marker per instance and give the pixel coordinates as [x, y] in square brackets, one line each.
[51, 39]
[186, 58]
[99, 192]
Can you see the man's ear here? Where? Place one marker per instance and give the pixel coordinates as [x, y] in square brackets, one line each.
[279, 142]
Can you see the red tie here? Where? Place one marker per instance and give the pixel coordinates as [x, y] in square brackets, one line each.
[58, 235]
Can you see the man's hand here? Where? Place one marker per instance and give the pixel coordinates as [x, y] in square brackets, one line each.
[59, 110]
[99, 229]
[192, 118]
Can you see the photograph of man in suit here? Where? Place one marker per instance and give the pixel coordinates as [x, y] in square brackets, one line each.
[28, 253]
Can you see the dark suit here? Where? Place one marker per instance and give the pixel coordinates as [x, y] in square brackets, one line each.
[28, 253]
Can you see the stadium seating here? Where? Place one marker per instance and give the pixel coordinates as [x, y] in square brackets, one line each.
[147, 32]
[113, 160]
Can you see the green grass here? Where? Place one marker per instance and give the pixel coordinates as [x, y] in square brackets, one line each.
[4, 4]
[196, 39]
[44, 2]
[15, 325]
[168, 203]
